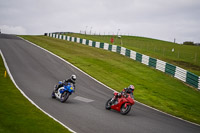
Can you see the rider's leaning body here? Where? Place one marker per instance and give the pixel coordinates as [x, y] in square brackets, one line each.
[128, 90]
[72, 80]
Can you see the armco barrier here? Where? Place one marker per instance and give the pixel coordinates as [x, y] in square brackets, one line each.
[93, 44]
[139, 57]
[128, 53]
[152, 62]
[165, 67]
[114, 48]
[106, 46]
[170, 69]
[145, 59]
[110, 47]
[118, 49]
[192, 79]
[123, 51]
[180, 74]
[101, 45]
[133, 55]
[160, 65]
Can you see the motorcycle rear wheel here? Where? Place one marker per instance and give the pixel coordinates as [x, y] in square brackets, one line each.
[124, 110]
[64, 97]
[108, 106]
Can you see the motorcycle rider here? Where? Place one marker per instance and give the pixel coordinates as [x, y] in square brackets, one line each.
[72, 80]
[128, 90]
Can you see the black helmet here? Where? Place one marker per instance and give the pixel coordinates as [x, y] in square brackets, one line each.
[73, 78]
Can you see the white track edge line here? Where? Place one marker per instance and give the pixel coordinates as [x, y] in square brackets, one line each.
[9, 73]
[106, 85]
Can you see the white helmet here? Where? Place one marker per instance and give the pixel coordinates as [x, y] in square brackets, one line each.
[73, 78]
[132, 88]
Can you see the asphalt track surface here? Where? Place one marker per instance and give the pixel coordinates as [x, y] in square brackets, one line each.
[36, 71]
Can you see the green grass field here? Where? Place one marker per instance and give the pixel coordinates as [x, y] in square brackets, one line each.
[187, 57]
[18, 115]
[153, 87]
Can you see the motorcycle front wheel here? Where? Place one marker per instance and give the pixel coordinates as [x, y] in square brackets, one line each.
[108, 106]
[124, 110]
[64, 97]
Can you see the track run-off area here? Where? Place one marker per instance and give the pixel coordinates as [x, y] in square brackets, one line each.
[36, 71]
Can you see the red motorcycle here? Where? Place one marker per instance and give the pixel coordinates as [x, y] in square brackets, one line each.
[122, 104]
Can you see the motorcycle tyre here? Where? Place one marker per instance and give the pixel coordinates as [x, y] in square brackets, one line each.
[107, 106]
[128, 108]
[65, 95]
[53, 95]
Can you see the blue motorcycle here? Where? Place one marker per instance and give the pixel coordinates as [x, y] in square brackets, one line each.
[64, 92]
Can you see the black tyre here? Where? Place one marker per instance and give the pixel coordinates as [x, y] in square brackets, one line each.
[64, 97]
[108, 106]
[124, 110]
[53, 95]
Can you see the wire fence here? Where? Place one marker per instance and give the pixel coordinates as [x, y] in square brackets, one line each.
[178, 53]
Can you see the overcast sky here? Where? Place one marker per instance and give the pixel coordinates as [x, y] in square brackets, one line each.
[160, 19]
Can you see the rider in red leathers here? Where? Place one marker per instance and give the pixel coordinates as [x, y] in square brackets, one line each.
[128, 90]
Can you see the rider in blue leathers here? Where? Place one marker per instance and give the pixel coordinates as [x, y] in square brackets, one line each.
[72, 80]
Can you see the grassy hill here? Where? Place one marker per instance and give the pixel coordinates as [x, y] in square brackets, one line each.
[184, 56]
[153, 87]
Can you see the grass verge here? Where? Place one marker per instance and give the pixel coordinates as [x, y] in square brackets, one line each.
[187, 57]
[18, 115]
[153, 87]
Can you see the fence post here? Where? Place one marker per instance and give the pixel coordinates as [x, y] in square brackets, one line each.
[195, 58]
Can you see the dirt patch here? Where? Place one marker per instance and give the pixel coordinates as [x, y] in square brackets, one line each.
[186, 65]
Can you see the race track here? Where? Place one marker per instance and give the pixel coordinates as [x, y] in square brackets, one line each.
[36, 71]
